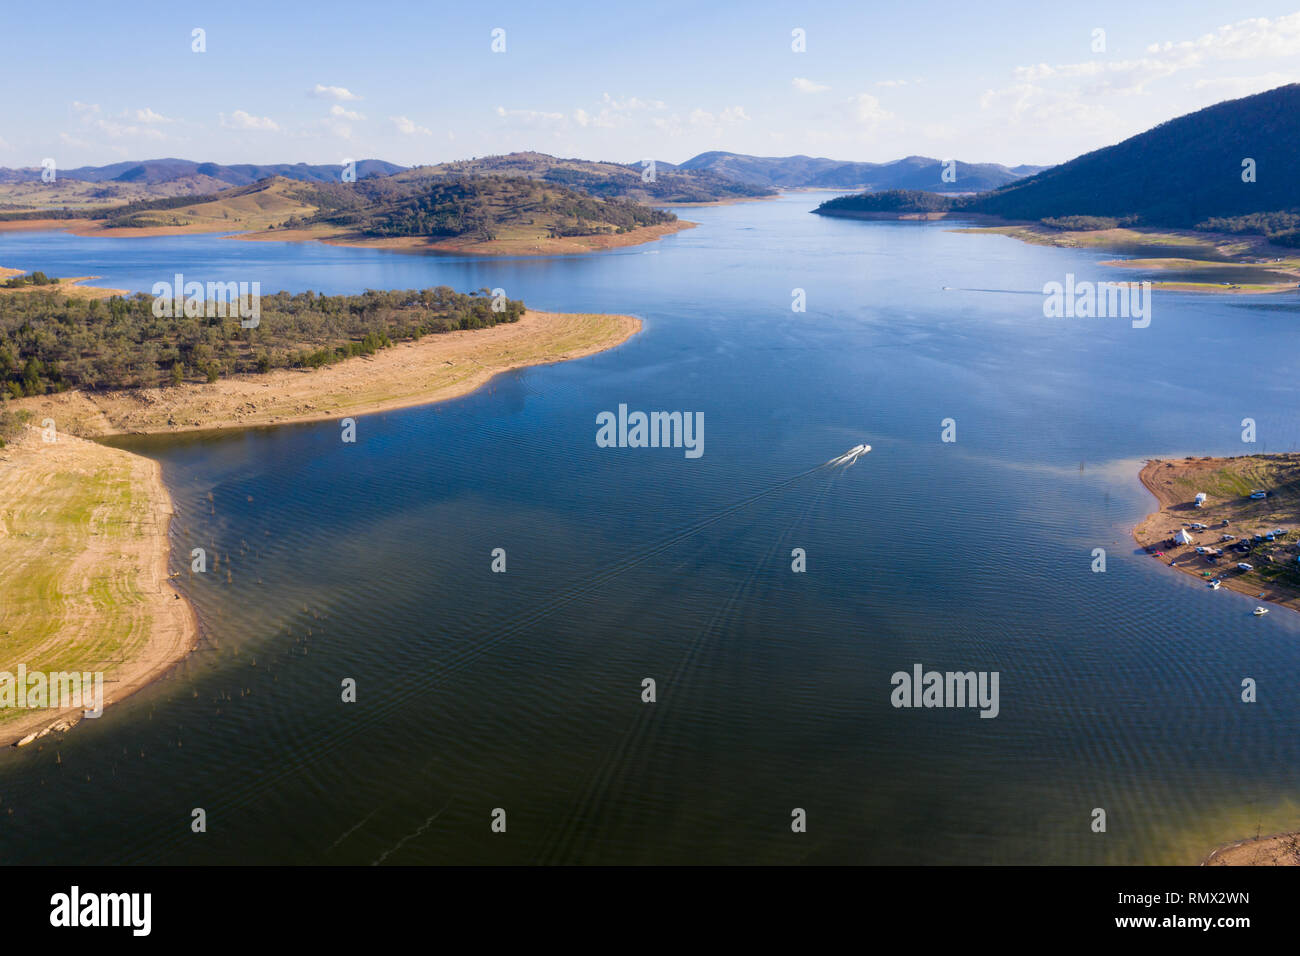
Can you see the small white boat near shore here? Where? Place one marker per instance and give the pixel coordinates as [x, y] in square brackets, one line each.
[1261, 611]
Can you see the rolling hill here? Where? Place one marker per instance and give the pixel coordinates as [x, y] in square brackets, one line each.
[1180, 173]
[485, 207]
[912, 172]
[480, 210]
[604, 180]
[1185, 173]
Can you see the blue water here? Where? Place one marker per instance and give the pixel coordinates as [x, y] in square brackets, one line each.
[523, 690]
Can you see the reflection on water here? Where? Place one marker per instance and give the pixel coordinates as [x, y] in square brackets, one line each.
[523, 690]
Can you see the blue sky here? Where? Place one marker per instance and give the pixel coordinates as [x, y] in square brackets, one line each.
[417, 82]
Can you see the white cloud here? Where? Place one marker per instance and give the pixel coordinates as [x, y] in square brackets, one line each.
[1254, 39]
[344, 113]
[92, 118]
[891, 83]
[407, 128]
[241, 120]
[866, 109]
[614, 113]
[121, 130]
[531, 117]
[1231, 87]
[804, 85]
[147, 115]
[728, 117]
[340, 93]
[1098, 101]
[700, 120]
[630, 104]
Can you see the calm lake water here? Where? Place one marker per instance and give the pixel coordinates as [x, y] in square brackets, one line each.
[523, 690]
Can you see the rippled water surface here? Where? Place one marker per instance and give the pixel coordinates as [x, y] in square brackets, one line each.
[523, 690]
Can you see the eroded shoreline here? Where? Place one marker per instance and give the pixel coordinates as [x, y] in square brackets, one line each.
[84, 553]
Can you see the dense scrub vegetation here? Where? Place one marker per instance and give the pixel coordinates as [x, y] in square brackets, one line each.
[12, 422]
[891, 200]
[23, 214]
[1281, 228]
[479, 207]
[32, 279]
[50, 343]
[1085, 223]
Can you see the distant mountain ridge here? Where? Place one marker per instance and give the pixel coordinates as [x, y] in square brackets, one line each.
[603, 180]
[1227, 168]
[709, 177]
[911, 172]
[152, 172]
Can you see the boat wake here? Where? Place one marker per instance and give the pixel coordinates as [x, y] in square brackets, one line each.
[524, 622]
[849, 457]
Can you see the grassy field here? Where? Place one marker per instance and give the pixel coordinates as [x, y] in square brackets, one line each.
[76, 195]
[84, 528]
[83, 546]
[528, 217]
[1194, 261]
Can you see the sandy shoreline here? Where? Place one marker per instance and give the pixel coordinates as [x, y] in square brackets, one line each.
[162, 626]
[84, 552]
[1280, 849]
[436, 368]
[569, 245]
[1174, 484]
[1226, 252]
[1227, 483]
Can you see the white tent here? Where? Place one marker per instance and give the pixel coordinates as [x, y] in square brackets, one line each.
[1182, 537]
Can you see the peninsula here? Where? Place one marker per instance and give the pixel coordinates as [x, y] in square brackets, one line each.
[1235, 521]
[83, 526]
